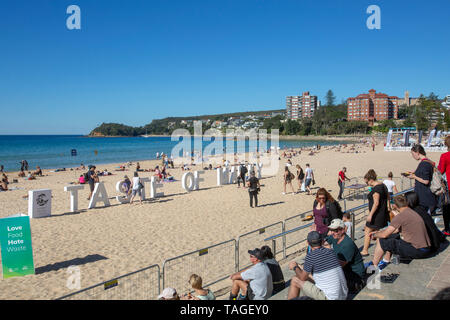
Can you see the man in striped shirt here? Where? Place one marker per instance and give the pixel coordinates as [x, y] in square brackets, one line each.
[322, 277]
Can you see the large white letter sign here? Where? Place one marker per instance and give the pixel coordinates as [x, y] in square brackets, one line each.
[144, 181]
[122, 199]
[74, 21]
[225, 175]
[40, 203]
[219, 176]
[73, 196]
[233, 175]
[153, 187]
[374, 21]
[188, 176]
[259, 169]
[197, 179]
[99, 195]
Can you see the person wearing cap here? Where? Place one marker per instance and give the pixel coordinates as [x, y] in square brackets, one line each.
[169, 294]
[255, 283]
[348, 255]
[321, 266]
[253, 186]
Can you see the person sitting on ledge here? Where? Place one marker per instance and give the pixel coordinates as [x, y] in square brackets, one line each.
[406, 236]
[169, 294]
[200, 293]
[277, 275]
[322, 277]
[255, 283]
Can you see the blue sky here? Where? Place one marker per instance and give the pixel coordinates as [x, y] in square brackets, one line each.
[134, 61]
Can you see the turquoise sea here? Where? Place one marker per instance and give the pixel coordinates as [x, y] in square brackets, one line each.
[54, 151]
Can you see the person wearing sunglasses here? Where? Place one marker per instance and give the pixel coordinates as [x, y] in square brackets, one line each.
[348, 255]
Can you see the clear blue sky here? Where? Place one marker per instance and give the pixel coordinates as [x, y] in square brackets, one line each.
[134, 61]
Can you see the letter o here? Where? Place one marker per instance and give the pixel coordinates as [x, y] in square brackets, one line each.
[188, 176]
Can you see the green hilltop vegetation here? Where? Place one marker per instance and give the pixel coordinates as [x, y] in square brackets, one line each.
[327, 120]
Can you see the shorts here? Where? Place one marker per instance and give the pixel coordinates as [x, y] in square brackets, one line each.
[92, 185]
[311, 290]
[307, 182]
[395, 245]
[134, 191]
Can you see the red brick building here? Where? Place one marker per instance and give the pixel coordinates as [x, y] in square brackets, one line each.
[372, 107]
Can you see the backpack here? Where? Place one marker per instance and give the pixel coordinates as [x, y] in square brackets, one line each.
[86, 177]
[331, 214]
[437, 184]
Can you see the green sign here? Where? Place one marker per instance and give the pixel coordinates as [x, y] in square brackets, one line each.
[15, 243]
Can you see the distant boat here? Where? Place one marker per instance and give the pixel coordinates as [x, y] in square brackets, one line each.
[145, 135]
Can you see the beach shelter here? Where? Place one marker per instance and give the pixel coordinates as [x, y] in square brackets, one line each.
[389, 138]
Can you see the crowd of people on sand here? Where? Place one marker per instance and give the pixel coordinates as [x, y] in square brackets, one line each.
[402, 227]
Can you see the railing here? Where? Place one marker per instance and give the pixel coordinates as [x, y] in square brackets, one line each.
[253, 239]
[214, 263]
[352, 211]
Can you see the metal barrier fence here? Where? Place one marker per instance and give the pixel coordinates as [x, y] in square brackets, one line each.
[254, 239]
[213, 264]
[139, 285]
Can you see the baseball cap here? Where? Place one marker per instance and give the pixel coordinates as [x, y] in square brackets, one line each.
[314, 239]
[168, 293]
[336, 224]
[257, 253]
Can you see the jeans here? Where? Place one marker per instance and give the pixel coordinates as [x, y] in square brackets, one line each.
[341, 189]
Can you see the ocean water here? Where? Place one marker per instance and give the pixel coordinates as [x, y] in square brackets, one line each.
[54, 151]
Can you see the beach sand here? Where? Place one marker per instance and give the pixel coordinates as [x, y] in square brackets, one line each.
[108, 242]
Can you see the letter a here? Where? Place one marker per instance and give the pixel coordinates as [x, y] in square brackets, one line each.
[74, 21]
[374, 21]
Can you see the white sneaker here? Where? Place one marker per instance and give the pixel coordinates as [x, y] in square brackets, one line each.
[283, 193]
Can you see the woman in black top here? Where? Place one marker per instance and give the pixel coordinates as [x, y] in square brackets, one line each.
[253, 187]
[288, 176]
[300, 176]
[423, 176]
[277, 275]
[379, 206]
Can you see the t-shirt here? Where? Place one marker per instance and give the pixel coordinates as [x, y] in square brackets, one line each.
[341, 176]
[209, 296]
[260, 280]
[135, 183]
[444, 164]
[323, 265]
[412, 228]
[309, 173]
[275, 270]
[348, 251]
[426, 197]
[90, 178]
[389, 185]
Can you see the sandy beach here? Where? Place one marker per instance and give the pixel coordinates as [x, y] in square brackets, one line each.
[123, 238]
